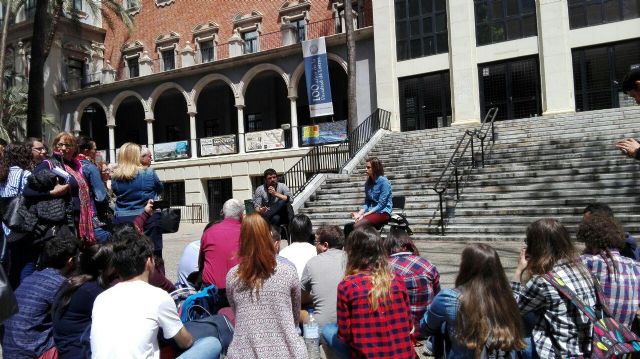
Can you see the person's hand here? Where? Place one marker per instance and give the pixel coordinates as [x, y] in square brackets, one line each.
[628, 146]
[271, 190]
[262, 209]
[522, 264]
[59, 190]
[149, 206]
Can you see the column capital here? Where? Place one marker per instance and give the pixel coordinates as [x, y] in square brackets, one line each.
[293, 97]
[192, 113]
[240, 106]
[149, 120]
[111, 125]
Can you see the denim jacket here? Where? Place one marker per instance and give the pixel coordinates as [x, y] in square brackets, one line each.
[133, 195]
[378, 196]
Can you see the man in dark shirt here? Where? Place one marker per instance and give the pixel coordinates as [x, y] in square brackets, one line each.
[271, 200]
[28, 334]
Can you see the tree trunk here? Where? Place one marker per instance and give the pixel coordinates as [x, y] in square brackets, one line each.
[55, 20]
[3, 45]
[351, 60]
[35, 100]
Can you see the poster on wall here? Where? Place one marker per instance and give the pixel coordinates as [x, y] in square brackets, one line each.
[264, 140]
[218, 145]
[316, 72]
[170, 151]
[327, 132]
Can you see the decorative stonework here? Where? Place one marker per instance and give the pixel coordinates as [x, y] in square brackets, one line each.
[206, 30]
[248, 22]
[133, 6]
[294, 10]
[167, 39]
[163, 3]
[131, 47]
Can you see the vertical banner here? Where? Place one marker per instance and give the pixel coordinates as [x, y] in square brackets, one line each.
[316, 72]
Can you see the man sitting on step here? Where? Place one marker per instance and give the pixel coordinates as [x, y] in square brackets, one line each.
[272, 199]
[631, 87]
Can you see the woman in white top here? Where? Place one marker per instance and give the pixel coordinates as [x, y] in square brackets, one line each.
[302, 246]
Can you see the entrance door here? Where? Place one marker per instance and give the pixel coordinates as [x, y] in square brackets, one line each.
[512, 86]
[425, 102]
[218, 192]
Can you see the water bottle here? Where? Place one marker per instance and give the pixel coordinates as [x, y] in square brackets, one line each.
[312, 336]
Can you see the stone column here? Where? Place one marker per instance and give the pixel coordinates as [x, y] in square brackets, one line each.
[188, 55]
[294, 122]
[150, 133]
[193, 132]
[556, 67]
[146, 64]
[240, 128]
[236, 44]
[384, 30]
[112, 143]
[463, 64]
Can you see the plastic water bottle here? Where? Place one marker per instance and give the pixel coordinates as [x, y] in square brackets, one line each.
[312, 336]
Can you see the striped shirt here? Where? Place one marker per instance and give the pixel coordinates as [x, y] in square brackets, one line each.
[12, 187]
[621, 289]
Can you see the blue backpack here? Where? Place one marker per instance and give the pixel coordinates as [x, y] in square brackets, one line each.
[200, 305]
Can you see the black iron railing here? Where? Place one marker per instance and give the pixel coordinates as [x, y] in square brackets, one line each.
[331, 158]
[456, 164]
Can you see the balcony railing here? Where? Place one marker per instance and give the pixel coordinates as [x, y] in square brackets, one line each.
[266, 41]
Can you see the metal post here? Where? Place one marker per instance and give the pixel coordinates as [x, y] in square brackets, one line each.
[473, 158]
[455, 170]
[493, 134]
[482, 147]
[441, 214]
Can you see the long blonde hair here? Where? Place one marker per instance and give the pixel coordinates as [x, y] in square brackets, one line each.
[128, 162]
[365, 252]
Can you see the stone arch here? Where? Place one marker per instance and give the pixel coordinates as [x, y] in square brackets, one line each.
[205, 81]
[113, 108]
[77, 114]
[166, 86]
[254, 71]
[297, 73]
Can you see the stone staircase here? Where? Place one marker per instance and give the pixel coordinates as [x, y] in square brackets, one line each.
[550, 166]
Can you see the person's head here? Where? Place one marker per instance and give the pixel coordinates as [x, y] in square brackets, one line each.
[365, 252]
[38, 149]
[300, 229]
[232, 208]
[132, 253]
[87, 147]
[328, 237]
[631, 84]
[399, 241]
[105, 171]
[60, 251]
[373, 168]
[270, 177]
[548, 242]
[66, 145]
[600, 233]
[257, 253]
[275, 236]
[15, 154]
[487, 308]
[128, 162]
[597, 208]
[145, 157]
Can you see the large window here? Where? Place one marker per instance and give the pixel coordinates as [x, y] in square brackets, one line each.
[301, 31]
[598, 72]
[425, 101]
[206, 51]
[134, 67]
[421, 28]
[583, 13]
[75, 74]
[250, 41]
[503, 20]
[174, 193]
[168, 60]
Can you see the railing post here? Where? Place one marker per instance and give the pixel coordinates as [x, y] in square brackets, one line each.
[455, 171]
[493, 134]
[441, 214]
[482, 148]
[473, 157]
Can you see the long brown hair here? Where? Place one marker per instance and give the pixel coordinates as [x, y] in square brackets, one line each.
[365, 252]
[376, 168]
[257, 253]
[548, 242]
[488, 314]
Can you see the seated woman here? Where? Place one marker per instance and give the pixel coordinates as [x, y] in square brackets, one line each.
[558, 327]
[374, 319]
[74, 303]
[619, 276]
[376, 210]
[265, 297]
[480, 316]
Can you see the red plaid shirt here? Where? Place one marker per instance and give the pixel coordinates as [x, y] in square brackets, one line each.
[384, 333]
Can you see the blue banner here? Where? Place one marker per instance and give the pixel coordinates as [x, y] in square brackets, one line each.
[316, 71]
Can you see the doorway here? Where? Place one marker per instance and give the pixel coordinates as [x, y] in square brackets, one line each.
[218, 192]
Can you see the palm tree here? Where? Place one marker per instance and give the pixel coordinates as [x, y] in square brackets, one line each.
[352, 122]
[45, 24]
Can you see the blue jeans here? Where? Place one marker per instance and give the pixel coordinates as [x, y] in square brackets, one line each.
[339, 348]
[203, 348]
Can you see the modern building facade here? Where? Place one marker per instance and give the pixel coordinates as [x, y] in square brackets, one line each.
[231, 72]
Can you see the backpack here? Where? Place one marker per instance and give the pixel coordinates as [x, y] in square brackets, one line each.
[200, 305]
[610, 338]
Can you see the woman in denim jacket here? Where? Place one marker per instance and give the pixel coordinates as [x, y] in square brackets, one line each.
[479, 318]
[134, 186]
[376, 210]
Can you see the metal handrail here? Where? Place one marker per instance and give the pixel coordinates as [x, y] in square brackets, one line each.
[331, 158]
[457, 155]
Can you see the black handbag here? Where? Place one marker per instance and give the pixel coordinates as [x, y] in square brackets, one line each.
[170, 220]
[8, 303]
[15, 214]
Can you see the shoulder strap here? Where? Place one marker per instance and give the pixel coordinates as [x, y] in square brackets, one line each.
[560, 285]
[20, 182]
